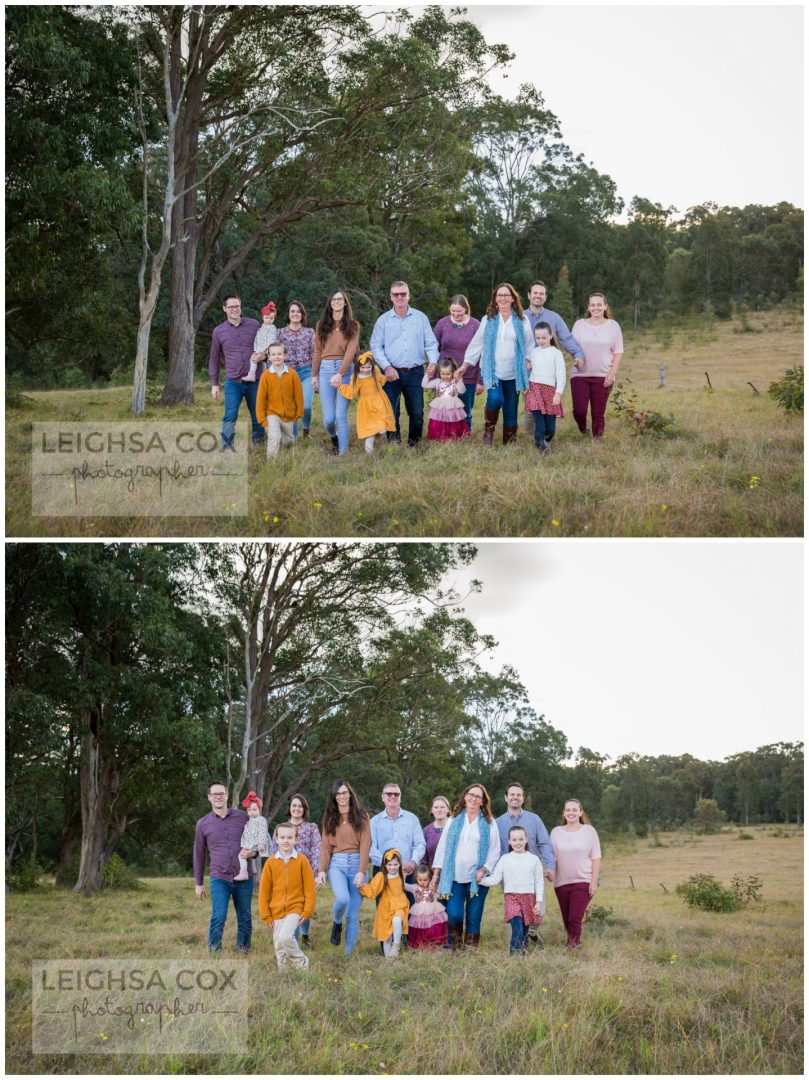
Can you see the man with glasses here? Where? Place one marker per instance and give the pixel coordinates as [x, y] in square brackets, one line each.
[232, 343]
[399, 342]
[397, 828]
[220, 835]
[539, 842]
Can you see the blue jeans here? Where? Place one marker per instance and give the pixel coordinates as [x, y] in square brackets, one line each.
[334, 405]
[343, 868]
[303, 929]
[407, 385]
[459, 899]
[242, 894]
[468, 399]
[305, 375]
[505, 395]
[544, 426]
[519, 935]
[235, 391]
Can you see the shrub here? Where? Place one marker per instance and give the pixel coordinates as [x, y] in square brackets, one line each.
[24, 876]
[788, 390]
[117, 875]
[705, 892]
[599, 916]
[744, 835]
[624, 404]
[708, 818]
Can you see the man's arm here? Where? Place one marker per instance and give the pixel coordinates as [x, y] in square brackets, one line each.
[378, 343]
[565, 338]
[214, 362]
[375, 854]
[430, 342]
[546, 849]
[199, 860]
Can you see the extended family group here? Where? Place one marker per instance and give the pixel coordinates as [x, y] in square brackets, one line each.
[430, 884]
[508, 352]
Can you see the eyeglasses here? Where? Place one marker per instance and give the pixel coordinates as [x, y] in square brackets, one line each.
[232, 307]
[398, 295]
[343, 794]
[392, 794]
[469, 795]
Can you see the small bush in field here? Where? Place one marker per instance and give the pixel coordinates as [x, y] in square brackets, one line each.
[24, 876]
[703, 891]
[599, 916]
[788, 390]
[117, 875]
[708, 818]
[744, 835]
[624, 404]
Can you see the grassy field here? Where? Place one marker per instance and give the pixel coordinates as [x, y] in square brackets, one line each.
[659, 989]
[735, 467]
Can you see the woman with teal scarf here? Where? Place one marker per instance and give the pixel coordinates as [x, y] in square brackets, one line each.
[501, 345]
[468, 849]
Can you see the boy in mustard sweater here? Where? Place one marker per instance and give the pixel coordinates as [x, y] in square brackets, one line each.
[286, 897]
[279, 402]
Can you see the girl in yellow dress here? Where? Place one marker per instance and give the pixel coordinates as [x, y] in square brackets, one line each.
[390, 921]
[374, 412]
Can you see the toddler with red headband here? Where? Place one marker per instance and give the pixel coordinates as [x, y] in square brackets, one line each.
[266, 336]
[255, 836]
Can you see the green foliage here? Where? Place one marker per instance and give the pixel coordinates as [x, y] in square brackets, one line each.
[24, 876]
[624, 405]
[788, 390]
[708, 818]
[117, 875]
[705, 892]
[598, 916]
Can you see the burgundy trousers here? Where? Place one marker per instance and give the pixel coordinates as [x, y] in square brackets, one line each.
[573, 900]
[588, 390]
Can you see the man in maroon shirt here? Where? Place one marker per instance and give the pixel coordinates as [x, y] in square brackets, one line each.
[220, 834]
[232, 343]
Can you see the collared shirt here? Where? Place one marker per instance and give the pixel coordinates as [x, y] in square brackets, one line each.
[539, 843]
[402, 341]
[232, 345]
[221, 837]
[272, 370]
[559, 327]
[285, 858]
[402, 832]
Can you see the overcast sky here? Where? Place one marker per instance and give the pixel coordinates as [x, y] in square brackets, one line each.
[661, 647]
[679, 104]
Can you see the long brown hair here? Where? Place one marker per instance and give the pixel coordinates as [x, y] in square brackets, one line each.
[331, 815]
[491, 310]
[607, 314]
[348, 325]
[485, 802]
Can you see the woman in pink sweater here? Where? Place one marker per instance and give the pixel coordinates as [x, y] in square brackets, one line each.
[578, 863]
[592, 378]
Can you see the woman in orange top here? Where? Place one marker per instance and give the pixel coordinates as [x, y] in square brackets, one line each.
[390, 921]
[344, 848]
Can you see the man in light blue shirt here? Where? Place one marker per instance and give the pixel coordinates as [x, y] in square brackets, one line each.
[396, 828]
[539, 842]
[400, 339]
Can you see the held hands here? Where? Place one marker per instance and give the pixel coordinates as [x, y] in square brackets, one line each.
[528, 365]
[578, 363]
[430, 372]
[335, 381]
[480, 875]
[391, 374]
[359, 879]
[550, 875]
[408, 867]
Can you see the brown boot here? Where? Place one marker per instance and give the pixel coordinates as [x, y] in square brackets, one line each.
[489, 422]
[472, 939]
[454, 937]
[509, 434]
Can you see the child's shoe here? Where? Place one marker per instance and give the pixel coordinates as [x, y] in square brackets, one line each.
[395, 949]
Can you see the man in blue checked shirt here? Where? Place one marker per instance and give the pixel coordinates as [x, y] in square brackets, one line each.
[400, 340]
[539, 842]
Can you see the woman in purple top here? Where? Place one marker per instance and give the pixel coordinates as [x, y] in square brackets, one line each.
[440, 811]
[300, 342]
[453, 334]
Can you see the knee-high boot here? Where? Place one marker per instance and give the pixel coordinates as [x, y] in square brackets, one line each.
[489, 422]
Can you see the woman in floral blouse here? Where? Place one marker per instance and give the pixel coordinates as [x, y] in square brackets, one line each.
[300, 342]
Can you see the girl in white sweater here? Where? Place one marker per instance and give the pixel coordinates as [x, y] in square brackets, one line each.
[523, 887]
[547, 378]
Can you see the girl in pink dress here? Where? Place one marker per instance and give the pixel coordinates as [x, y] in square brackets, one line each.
[447, 412]
[427, 925]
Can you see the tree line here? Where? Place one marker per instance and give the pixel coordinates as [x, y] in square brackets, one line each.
[135, 674]
[161, 155]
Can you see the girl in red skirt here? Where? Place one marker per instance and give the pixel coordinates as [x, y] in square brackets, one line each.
[546, 382]
[523, 887]
[427, 924]
[447, 412]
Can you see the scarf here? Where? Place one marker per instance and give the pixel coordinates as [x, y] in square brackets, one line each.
[489, 343]
[454, 830]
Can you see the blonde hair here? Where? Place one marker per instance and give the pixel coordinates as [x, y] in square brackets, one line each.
[583, 818]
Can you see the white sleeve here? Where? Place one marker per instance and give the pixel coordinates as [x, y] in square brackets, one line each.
[438, 858]
[474, 349]
[539, 881]
[528, 335]
[494, 846]
[495, 877]
[561, 373]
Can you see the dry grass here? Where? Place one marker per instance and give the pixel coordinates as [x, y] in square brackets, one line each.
[662, 989]
[699, 483]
